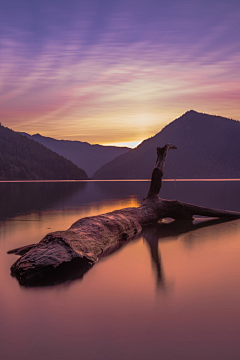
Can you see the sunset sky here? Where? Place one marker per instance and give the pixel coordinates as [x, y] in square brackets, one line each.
[116, 71]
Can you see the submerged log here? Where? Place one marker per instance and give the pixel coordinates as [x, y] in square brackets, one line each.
[91, 238]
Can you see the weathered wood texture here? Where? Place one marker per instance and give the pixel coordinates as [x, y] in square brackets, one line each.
[93, 237]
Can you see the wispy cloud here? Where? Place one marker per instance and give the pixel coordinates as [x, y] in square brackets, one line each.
[124, 83]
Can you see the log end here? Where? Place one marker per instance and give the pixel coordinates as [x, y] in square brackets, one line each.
[49, 276]
[44, 262]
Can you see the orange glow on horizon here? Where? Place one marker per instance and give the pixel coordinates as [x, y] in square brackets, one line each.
[128, 100]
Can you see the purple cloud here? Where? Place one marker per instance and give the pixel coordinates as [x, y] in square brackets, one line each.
[116, 70]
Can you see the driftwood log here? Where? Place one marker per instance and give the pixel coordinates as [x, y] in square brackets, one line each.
[91, 238]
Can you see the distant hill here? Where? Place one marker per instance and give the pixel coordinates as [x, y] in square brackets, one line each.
[25, 159]
[207, 147]
[85, 156]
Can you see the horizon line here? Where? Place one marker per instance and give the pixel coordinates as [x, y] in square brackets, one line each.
[114, 180]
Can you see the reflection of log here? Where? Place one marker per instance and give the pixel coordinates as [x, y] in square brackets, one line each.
[161, 232]
[93, 237]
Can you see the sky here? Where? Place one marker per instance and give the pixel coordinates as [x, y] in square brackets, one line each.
[116, 71]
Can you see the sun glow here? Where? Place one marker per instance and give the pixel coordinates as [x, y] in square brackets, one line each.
[130, 144]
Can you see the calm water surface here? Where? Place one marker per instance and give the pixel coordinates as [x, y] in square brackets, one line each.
[173, 293]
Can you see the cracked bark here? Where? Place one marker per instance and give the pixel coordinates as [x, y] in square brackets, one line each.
[91, 238]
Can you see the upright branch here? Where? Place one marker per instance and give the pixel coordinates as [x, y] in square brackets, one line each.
[91, 238]
[157, 174]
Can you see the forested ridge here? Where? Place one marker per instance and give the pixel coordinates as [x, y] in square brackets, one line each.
[84, 155]
[208, 147]
[25, 159]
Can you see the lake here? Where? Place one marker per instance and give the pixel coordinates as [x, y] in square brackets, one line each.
[172, 293]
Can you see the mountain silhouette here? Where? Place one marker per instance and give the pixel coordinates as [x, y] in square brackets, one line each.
[207, 147]
[25, 159]
[84, 155]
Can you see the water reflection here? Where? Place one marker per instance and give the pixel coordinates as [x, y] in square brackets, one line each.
[115, 306]
[93, 198]
[19, 198]
[23, 198]
[172, 231]
[154, 234]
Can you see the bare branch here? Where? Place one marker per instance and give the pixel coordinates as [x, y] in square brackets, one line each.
[91, 238]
